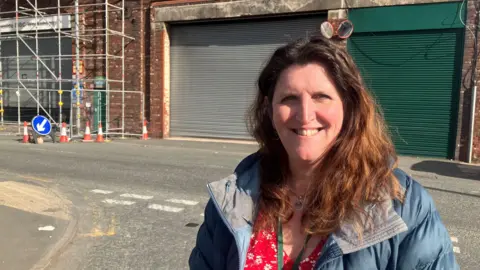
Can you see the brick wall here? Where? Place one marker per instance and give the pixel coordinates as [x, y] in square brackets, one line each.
[156, 82]
[466, 94]
[136, 54]
[93, 66]
[133, 73]
[136, 62]
[476, 140]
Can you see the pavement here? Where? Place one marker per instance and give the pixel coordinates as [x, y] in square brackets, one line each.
[444, 175]
[138, 204]
[35, 222]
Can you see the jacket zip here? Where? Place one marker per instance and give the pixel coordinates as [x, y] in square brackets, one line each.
[225, 221]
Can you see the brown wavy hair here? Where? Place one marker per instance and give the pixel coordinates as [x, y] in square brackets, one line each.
[356, 170]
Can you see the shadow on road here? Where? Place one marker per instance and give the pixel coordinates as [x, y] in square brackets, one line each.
[448, 169]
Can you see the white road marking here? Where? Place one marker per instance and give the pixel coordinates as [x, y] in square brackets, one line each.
[186, 202]
[46, 228]
[454, 239]
[101, 191]
[110, 201]
[456, 249]
[135, 196]
[165, 208]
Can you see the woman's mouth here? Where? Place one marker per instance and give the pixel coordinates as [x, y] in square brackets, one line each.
[307, 132]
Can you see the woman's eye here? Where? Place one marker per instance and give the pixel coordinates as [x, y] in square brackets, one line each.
[288, 98]
[321, 96]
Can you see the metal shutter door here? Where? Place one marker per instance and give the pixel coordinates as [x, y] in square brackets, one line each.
[415, 77]
[214, 67]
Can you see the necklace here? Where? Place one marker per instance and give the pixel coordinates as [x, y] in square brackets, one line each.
[299, 200]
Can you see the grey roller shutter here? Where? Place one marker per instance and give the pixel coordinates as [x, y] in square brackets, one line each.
[214, 67]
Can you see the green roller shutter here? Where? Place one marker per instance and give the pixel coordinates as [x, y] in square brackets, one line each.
[415, 77]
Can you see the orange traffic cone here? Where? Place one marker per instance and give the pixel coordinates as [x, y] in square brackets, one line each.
[25, 132]
[63, 133]
[144, 131]
[100, 133]
[87, 137]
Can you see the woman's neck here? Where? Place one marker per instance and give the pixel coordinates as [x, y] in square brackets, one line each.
[301, 177]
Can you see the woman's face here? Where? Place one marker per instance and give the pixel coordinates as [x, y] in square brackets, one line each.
[307, 112]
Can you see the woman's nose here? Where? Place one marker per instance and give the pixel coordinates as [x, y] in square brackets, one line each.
[305, 111]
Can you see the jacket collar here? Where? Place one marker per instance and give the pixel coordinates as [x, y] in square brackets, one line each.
[235, 198]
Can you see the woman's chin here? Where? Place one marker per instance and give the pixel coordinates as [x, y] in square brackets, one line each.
[307, 156]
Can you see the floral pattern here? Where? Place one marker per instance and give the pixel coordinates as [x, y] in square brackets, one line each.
[262, 254]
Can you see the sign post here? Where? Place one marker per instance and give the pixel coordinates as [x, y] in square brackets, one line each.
[77, 99]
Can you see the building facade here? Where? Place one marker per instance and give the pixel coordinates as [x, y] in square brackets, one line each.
[196, 62]
[416, 58]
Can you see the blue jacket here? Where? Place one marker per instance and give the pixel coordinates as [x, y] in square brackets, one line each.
[402, 236]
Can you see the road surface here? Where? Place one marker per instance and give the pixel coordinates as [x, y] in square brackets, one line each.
[138, 204]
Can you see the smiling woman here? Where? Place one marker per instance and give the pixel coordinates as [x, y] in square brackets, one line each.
[307, 111]
[323, 191]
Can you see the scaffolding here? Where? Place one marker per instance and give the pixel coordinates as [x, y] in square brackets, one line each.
[40, 78]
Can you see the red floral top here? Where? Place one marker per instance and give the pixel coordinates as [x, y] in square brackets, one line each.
[262, 253]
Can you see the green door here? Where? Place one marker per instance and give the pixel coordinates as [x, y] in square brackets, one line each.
[415, 77]
[100, 109]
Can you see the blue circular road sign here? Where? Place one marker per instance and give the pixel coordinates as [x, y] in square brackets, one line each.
[41, 125]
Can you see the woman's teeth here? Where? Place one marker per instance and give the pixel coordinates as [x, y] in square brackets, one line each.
[306, 132]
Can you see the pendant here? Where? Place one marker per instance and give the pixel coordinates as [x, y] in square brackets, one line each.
[299, 203]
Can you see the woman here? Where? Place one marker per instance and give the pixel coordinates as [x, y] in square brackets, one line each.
[323, 191]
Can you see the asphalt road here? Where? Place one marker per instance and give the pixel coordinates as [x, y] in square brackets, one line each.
[138, 204]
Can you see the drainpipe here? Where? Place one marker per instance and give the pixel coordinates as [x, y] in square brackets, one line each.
[472, 124]
[473, 86]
